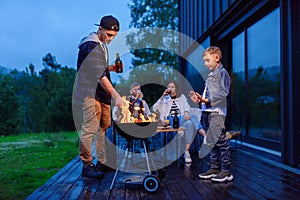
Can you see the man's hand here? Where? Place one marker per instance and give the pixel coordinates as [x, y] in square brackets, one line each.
[113, 67]
[119, 101]
[108, 87]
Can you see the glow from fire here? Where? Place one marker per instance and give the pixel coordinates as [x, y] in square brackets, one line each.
[132, 113]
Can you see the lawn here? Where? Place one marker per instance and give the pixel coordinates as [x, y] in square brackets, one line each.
[27, 161]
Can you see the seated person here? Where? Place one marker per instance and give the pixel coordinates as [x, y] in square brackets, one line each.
[136, 110]
[171, 104]
[189, 133]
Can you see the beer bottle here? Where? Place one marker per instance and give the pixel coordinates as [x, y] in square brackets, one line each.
[175, 121]
[118, 63]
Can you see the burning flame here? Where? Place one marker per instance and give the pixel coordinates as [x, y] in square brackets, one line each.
[133, 114]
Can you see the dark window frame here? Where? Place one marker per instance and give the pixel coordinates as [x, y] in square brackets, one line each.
[224, 41]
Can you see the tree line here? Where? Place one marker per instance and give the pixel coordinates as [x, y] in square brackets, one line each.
[32, 102]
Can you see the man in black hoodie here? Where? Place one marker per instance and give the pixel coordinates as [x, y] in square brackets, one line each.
[95, 91]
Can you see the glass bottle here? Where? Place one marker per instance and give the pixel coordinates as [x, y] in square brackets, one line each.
[175, 121]
[118, 63]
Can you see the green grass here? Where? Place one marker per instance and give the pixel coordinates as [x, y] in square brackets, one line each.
[27, 161]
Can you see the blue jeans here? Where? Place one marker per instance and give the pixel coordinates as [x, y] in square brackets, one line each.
[190, 132]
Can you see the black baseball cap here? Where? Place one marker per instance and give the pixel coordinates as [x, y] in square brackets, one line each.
[109, 23]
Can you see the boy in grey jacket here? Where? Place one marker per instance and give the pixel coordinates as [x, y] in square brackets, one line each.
[214, 108]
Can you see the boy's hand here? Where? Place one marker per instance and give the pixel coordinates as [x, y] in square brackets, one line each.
[195, 96]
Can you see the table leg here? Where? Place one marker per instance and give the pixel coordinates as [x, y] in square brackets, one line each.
[176, 145]
[165, 143]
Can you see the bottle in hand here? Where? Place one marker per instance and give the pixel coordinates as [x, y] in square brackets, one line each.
[118, 63]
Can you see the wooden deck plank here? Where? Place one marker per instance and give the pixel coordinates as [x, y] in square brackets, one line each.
[49, 187]
[162, 193]
[103, 189]
[254, 179]
[185, 186]
[75, 190]
[191, 173]
[248, 179]
[119, 190]
[264, 177]
[65, 186]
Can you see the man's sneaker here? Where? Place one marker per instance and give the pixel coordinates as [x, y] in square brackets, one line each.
[91, 171]
[102, 167]
[223, 176]
[209, 174]
[187, 157]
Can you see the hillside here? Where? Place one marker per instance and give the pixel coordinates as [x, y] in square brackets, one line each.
[5, 70]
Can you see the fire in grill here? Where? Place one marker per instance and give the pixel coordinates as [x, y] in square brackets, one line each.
[133, 122]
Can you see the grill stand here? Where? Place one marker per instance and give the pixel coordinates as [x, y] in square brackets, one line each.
[150, 182]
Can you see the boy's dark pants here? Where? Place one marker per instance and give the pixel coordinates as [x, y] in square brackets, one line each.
[214, 124]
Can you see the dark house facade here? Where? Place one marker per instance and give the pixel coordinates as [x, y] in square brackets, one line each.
[261, 51]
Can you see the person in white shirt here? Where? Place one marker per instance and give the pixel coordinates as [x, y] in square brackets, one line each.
[171, 104]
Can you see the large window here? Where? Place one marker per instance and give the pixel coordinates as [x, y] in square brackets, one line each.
[262, 62]
[264, 77]
[238, 82]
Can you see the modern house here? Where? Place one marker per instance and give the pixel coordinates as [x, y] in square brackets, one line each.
[261, 51]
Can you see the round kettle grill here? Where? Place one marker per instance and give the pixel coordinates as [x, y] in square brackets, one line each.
[142, 131]
[139, 130]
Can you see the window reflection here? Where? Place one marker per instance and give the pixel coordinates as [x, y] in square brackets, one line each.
[263, 56]
[264, 77]
[238, 81]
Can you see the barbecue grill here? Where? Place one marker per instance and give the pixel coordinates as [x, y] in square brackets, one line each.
[139, 131]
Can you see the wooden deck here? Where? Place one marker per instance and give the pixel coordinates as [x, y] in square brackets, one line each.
[254, 179]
